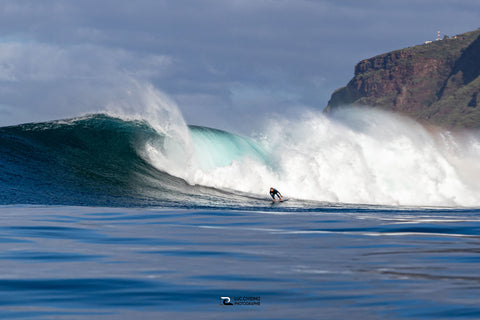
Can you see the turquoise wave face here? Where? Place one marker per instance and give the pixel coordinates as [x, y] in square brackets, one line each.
[216, 148]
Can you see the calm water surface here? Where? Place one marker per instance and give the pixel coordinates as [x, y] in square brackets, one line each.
[321, 263]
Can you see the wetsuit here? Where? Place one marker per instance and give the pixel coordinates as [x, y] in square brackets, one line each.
[274, 192]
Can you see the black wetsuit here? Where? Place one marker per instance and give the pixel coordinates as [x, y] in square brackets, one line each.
[274, 193]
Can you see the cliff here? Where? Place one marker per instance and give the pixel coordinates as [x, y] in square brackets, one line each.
[436, 83]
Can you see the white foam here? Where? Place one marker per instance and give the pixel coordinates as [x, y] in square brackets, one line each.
[366, 156]
[357, 156]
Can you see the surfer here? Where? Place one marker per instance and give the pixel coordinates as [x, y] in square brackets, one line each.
[274, 192]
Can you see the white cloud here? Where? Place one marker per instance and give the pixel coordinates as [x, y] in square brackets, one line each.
[44, 62]
[45, 81]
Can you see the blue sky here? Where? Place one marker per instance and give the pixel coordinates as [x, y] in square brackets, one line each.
[223, 62]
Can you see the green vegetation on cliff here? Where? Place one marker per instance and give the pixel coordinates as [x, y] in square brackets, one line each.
[437, 83]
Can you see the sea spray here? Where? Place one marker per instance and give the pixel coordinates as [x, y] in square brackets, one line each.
[357, 156]
[195, 154]
[353, 156]
[173, 153]
[366, 156]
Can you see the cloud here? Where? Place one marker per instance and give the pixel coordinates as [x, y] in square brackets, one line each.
[61, 56]
[60, 81]
[45, 62]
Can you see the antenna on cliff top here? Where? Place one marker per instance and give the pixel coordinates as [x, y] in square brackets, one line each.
[438, 35]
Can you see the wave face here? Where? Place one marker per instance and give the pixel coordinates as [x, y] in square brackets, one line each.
[78, 161]
[355, 157]
[104, 160]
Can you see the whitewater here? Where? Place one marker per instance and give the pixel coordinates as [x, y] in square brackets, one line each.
[357, 155]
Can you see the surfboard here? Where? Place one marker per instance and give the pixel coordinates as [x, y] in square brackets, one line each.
[278, 201]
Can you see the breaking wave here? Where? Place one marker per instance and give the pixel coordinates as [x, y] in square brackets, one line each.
[355, 156]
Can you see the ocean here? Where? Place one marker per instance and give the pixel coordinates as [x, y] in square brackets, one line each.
[113, 217]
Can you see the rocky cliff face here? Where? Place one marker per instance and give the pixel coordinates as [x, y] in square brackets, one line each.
[437, 83]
